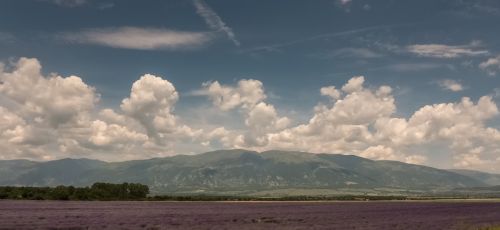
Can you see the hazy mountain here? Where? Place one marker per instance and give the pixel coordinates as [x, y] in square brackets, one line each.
[487, 178]
[239, 172]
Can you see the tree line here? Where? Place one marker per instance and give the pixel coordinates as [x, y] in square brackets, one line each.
[98, 191]
[135, 191]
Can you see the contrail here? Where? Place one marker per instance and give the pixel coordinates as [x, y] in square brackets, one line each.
[213, 20]
[326, 35]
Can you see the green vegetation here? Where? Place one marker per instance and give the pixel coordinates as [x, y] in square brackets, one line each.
[133, 191]
[139, 192]
[285, 198]
[98, 191]
[248, 173]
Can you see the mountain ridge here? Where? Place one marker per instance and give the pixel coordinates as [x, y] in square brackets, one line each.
[240, 171]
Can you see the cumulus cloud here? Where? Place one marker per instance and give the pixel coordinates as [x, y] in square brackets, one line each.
[340, 128]
[416, 159]
[362, 121]
[139, 38]
[452, 85]
[47, 117]
[52, 116]
[456, 122]
[151, 103]
[114, 135]
[379, 152]
[261, 118]
[446, 51]
[9, 119]
[331, 92]
[491, 66]
[343, 126]
[54, 100]
[246, 94]
[354, 84]
[42, 108]
[214, 21]
[28, 135]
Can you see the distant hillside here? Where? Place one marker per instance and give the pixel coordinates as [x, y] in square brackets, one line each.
[240, 172]
[487, 178]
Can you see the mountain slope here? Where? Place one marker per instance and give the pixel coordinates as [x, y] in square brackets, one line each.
[51, 173]
[238, 172]
[487, 178]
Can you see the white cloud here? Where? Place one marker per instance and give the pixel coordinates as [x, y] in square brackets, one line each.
[491, 66]
[331, 92]
[343, 126]
[462, 125]
[354, 84]
[111, 116]
[247, 93]
[468, 160]
[9, 120]
[261, 118]
[54, 100]
[214, 21]
[68, 3]
[113, 135]
[416, 159]
[446, 51]
[139, 38]
[28, 135]
[50, 117]
[451, 121]
[42, 109]
[452, 85]
[379, 152]
[362, 121]
[151, 103]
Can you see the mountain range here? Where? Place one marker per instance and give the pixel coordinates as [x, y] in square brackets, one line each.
[243, 172]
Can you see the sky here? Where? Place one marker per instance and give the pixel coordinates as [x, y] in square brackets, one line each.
[412, 81]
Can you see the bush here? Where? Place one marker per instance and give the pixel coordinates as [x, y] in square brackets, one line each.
[98, 191]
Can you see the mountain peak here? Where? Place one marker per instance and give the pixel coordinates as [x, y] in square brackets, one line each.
[240, 171]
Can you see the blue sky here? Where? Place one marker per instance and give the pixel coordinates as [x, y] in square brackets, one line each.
[254, 70]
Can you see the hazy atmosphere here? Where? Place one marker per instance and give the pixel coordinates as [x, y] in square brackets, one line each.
[412, 81]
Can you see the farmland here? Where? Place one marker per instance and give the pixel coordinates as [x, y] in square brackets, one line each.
[248, 215]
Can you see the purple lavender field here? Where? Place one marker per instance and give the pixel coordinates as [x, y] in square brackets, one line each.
[247, 215]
